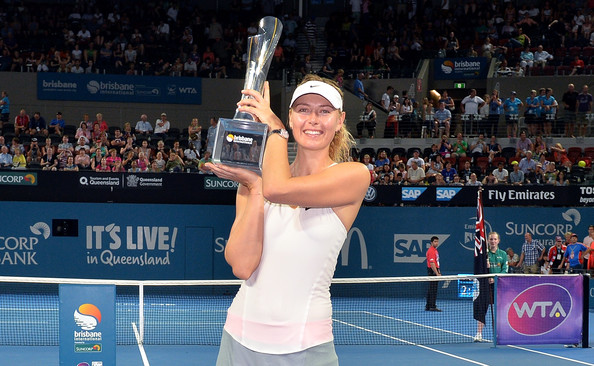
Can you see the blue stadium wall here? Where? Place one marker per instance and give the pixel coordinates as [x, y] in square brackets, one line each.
[147, 241]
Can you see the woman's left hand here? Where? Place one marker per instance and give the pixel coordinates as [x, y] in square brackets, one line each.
[245, 177]
[258, 105]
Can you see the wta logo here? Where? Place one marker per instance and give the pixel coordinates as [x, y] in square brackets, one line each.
[447, 67]
[539, 309]
[87, 316]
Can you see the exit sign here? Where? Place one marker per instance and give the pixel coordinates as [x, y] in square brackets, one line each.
[459, 85]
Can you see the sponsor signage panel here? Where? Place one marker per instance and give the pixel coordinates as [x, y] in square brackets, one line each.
[15, 178]
[119, 88]
[460, 68]
[539, 310]
[87, 325]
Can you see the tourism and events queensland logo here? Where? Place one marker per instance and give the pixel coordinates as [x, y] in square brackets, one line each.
[87, 316]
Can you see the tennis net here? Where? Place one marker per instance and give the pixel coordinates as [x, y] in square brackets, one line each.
[366, 311]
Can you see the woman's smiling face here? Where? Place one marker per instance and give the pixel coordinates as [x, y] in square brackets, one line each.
[314, 121]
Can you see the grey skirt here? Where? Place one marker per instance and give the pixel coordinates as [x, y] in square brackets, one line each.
[232, 353]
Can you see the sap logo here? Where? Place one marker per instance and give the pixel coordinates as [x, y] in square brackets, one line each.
[188, 90]
[446, 194]
[411, 194]
[411, 248]
[539, 309]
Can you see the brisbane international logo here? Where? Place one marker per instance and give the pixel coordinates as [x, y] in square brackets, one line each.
[447, 67]
[87, 316]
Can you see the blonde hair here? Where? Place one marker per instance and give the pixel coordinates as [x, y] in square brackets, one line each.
[340, 146]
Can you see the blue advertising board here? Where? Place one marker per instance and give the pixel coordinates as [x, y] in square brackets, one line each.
[460, 68]
[165, 241]
[87, 325]
[119, 88]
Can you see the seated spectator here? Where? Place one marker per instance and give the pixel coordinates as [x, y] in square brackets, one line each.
[516, 177]
[577, 66]
[65, 145]
[103, 127]
[18, 160]
[448, 172]
[386, 174]
[195, 134]
[466, 172]
[382, 159]
[16, 145]
[560, 154]
[501, 174]
[536, 176]
[490, 180]
[159, 159]
[442, 118]
[143, 162]
[201, 165]
[479, 147]
[128, 147]
[34, 155]
[134, 167]
[128, 158]
[561, 180]
[155, 168]
[191, 156]
[177, 149]
[143, 127]
[113, 157]
[459, 147]
[526, 58]
[37, 125]
[118, 140]
[57, 124]
[527, 164]
[415, 174]
[82, 144]
[550, 173]
[523, 145]
[473, 181]
[161, 148]
[127, 131]
[82, 159]
[145, 149]
[541, 56]
[21, 123]
[435, 166]
[70, 166]
[83, 132]
[118, 167]
[416, 158]
[162, 126]
[103, 166]
[493, 148]
[5, 158]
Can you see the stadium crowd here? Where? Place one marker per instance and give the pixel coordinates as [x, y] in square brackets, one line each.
[178, 38]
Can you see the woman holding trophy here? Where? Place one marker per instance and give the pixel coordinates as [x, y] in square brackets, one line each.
[289, 227]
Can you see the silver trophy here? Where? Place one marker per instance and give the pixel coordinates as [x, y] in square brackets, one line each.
[241, 141]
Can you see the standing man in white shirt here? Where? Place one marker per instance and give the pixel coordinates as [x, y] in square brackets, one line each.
[470, 105]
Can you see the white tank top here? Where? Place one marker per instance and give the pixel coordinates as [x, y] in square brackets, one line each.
[284, 307]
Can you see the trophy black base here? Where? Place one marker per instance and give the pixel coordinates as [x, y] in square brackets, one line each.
[240, 143]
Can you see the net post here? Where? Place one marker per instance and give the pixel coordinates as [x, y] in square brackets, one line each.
[494, 307]
[586, 311]
[141, 312]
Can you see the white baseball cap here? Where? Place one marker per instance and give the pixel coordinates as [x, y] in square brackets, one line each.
[320, 88]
